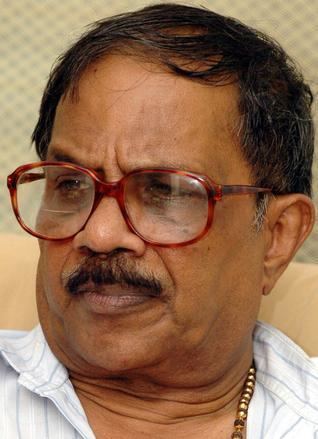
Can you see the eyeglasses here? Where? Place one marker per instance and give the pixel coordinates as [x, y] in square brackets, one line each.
[164, 207]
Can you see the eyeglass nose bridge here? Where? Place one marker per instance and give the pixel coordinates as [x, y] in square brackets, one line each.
[110, 190]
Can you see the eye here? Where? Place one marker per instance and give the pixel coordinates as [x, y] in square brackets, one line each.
[159, 189]
[72, 188]
[69, 184]
[158, 192]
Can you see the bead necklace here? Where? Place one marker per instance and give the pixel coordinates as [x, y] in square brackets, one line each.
[246, 396]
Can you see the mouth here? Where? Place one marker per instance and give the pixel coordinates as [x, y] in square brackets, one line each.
[114, 299]
[112, 286]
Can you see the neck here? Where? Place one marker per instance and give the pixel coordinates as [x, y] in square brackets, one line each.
[144, 397]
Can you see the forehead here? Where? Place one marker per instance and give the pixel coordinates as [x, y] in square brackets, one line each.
[129, 114]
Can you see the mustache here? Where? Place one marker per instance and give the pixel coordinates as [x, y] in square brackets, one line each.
[113, 270]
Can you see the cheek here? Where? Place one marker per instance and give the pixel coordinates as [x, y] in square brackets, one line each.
[196, 277]
[52, 262]
[216, 279]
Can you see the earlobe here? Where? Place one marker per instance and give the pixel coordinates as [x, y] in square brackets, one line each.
[290, 219]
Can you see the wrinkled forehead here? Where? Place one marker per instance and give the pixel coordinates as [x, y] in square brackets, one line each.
[148, 114]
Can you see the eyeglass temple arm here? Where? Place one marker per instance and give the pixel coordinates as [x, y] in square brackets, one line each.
[223, 190]
[30, 177]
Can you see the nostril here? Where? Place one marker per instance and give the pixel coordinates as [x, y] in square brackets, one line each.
[89, 253]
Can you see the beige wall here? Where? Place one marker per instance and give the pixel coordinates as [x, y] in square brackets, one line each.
[34, 32]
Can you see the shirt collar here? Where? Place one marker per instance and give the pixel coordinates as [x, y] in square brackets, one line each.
[286, 371]
[30, 355]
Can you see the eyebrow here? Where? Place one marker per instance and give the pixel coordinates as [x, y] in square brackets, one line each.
[60, 156]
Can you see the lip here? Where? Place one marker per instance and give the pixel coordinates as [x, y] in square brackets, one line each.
[113, 299]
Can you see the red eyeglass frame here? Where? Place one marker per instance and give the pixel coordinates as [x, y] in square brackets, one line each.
[115, 189]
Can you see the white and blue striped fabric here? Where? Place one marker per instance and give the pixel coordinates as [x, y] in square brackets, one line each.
[37, 399]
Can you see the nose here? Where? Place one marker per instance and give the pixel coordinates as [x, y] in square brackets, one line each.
[106, 231]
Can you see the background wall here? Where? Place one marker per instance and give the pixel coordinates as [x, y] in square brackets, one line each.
[34, 32]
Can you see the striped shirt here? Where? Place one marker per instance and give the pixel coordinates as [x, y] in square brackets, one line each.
[38, 401]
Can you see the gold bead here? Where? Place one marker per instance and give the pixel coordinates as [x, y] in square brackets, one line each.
[251, 377]
[246, 395]
[243, 406]
[248, 390]
[242, 414]
[239, 424]
[237, 435]
[245, 400]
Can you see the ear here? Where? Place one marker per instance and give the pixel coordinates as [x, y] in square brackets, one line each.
[290, 219]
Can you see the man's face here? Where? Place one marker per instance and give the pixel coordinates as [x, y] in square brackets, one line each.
[129, 115]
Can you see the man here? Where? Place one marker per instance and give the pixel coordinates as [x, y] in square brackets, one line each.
[173, 190]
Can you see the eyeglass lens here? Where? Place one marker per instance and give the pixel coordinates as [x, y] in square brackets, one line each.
[56, 201]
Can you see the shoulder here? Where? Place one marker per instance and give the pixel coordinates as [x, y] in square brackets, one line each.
[287, 383]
